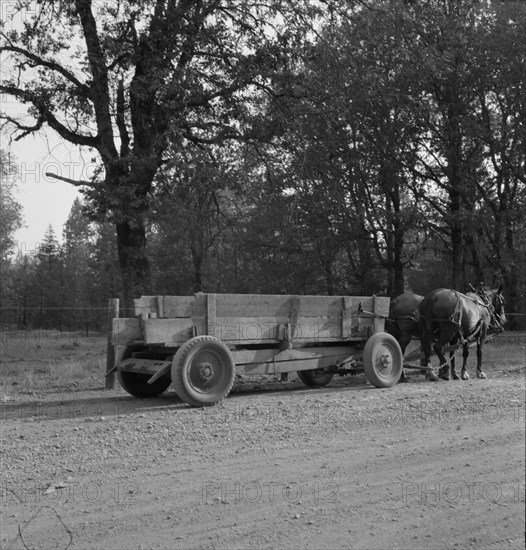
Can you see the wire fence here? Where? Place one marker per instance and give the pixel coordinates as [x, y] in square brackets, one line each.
[91, 322]
[87, 321]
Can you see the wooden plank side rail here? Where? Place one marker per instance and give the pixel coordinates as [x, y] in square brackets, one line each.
[248, 305]
[253, 319]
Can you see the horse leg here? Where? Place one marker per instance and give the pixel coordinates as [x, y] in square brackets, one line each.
[465, 354]
[454, 374]
[480, 374]
[443, 371]
[404, 342]
[426, 342]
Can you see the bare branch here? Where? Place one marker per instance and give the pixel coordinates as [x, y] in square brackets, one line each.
[46, 115]
[26, 129]
[76, 183]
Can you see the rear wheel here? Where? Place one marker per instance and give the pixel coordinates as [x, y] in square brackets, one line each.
[382, 360]
[203, 371]
[315, 378]
[136, 384]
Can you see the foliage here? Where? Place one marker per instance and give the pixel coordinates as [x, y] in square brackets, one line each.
[312, 148]
[10, 210]
[142, 78]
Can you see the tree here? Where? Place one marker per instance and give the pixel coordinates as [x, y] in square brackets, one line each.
[10, 209]
[24, 295]
[49, 279]
[10, 221]
[500, 119]
[105, 276]
[193, 214]
[349, 139]
[78, 248]
[143, 76]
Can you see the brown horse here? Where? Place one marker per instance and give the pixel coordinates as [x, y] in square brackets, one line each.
[448, 317]
[403, 323]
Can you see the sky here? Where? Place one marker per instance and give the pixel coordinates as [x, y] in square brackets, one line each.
[45, 201]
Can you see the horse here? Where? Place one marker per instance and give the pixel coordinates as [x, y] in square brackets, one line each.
[403, 324]
[448, 317]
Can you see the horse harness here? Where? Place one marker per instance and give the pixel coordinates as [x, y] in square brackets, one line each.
[456, 317]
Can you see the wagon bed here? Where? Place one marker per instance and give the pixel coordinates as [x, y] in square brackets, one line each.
[199, 343]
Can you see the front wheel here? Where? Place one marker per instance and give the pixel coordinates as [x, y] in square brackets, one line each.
[315, 378]
[203, 371]
[382, 360]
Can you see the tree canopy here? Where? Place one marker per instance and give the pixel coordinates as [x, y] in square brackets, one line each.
[307, 147]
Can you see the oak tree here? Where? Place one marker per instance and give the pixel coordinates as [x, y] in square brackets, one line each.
[127, 79]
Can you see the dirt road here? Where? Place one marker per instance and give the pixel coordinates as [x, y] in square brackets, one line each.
[420, 465]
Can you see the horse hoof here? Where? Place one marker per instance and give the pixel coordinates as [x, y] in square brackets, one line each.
[481, 375]
[465, 376]
[456, 376]
[444, 376]
[432, 377]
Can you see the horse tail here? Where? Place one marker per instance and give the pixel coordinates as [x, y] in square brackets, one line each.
[391, 326]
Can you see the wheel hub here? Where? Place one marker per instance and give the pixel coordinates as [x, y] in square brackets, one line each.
[206, 371]
[385, 360]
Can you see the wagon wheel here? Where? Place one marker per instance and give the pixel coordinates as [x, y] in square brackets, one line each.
[203, 371]
[136, 384]
[315, 378]
[382, 360]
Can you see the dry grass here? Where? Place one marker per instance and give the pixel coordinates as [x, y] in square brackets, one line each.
[505, 353]
[42, 360]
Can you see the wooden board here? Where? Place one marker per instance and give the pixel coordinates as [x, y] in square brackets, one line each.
[258, 330]
[171, 306]
[126, 330]
[248, 330]
[167, 331]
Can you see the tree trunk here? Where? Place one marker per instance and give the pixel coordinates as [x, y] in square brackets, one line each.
[398, 265]
[133, 260]
[198, 254]
[454, 175]
[395, 230]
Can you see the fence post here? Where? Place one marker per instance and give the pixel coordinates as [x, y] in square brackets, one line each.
[113, 313]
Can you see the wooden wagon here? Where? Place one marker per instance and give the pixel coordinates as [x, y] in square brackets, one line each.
[199, 343]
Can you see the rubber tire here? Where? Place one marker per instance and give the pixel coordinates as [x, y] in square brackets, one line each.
[379, 344]
[183, 366]
[136, 384]
[313, 380]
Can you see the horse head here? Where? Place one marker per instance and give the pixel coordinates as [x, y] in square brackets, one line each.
[494, 302]
[497, 312]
